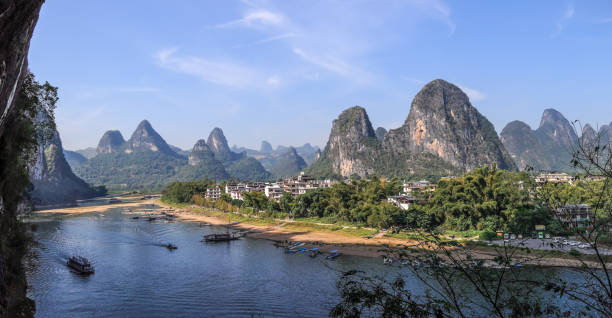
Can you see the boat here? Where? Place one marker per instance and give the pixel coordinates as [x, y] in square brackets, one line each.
[222, 237]
[80, 264]
[135, 217]
[387, 261]
[314, 252]
[333, 254]
[170, 246]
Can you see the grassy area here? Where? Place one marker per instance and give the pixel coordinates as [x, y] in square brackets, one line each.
[415, 236]
[310, 227]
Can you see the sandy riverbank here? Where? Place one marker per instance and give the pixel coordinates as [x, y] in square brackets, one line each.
[325, 240]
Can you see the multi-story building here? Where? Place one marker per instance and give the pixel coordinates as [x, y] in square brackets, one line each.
[554, 177]
[575, 215]
[213, 193]
[408, 187]
[274, 192]
[402, 201]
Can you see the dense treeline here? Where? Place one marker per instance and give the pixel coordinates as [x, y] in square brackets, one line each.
[486, 199]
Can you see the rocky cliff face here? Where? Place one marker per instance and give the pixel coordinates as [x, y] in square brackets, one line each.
[52, 178]
[219, 146]
[352, 146]
[111, 142]
[145, 138]
[443, 134]
[547, 148]
[288, 164]
[443, 122]
[199, 152]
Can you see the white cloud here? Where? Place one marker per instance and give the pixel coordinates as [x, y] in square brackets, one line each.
[217, 72]
[335, 65]
[256, 18]
[474, 95]
[268, 39]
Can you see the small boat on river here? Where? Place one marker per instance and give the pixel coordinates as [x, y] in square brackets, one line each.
[222, 237]
[170, 246]
[80, 264]
[333, 254]
[314, 252]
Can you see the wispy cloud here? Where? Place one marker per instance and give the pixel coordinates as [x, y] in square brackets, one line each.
[568, 14]
[607, 20]
[217, 72]
[268, 40]
[256, 18]
[438, 10]
[474, 95]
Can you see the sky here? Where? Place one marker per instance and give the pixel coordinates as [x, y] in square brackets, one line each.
[281, 71]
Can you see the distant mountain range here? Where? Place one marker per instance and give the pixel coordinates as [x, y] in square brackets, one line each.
[146, 161]
[269, 156]
[550, 146]
[443, 134]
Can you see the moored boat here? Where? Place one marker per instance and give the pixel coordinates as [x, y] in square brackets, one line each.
[333, 254]
[80, 264]
[221, 237]
[170, 246]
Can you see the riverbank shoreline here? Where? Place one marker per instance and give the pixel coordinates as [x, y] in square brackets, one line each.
[324, 239]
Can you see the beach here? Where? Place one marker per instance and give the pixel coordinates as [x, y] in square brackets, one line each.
[284, 230]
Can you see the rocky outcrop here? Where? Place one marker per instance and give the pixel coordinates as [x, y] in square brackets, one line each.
[145, 138]
[288, 164]
[17, 21]
[443, 122]
[52, 178]
[200, 152]
[352, 146]
[111, 142]
[380, 133]
[218, 145]
[547, 148]
[443, 134]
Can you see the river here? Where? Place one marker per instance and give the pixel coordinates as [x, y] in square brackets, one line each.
[138, 277]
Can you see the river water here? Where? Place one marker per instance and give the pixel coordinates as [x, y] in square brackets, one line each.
[137, 277]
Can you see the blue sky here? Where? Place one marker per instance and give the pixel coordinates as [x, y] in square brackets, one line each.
[283, 70]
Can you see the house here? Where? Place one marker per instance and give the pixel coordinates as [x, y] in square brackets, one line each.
[274, 192]
[575, 215]
[408, 187]
[402, 201]
[213, 193]
[554, 177]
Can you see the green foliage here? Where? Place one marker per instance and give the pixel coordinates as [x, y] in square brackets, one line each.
[483, 198]
[18, 143]
[487, 235]
[183, 192]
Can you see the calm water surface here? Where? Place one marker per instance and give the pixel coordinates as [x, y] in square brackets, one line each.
[137, 277]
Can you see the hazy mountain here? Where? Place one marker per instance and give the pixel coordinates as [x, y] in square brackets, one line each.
[74, 158]
[266, 147]
[288, 164]
[380, 133]
[111, 142]
[547, 148]
[443, 134]
[88, 152]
